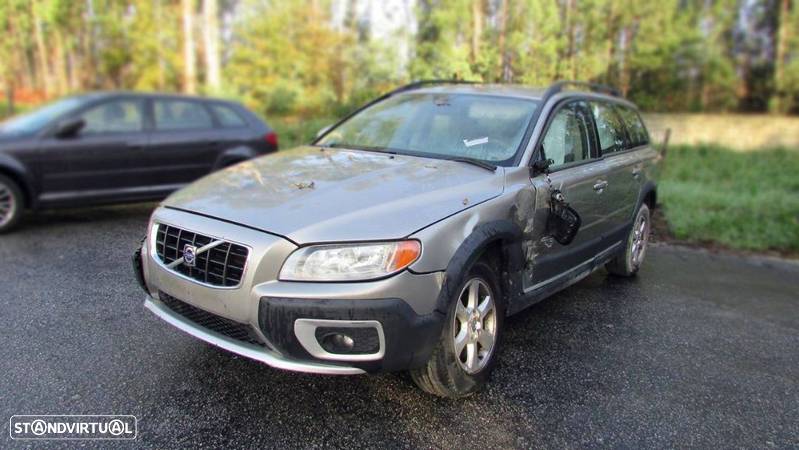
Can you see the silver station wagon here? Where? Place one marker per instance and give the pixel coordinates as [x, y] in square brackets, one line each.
[406, 233]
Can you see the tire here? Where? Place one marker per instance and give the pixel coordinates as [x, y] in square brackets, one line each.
[12, 204]
[452, 375]
[627, 263]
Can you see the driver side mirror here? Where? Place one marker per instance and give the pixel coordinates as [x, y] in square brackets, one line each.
[323, 131]
[69, 127]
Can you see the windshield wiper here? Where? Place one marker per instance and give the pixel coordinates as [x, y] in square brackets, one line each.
[361, 147]
[464, 159]
[475, 162]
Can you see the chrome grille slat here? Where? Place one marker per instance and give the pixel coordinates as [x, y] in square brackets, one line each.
[222, 265]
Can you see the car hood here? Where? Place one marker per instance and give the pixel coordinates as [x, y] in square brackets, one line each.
[313, 195]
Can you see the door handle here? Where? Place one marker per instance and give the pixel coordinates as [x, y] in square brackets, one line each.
[637, 172]
[600, 185]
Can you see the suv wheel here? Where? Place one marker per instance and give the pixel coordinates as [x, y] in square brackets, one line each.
[626, 264]
[466, 352]
[11, 203]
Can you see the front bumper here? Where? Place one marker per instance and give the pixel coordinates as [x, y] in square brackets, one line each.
[241, 348]
[281, 317]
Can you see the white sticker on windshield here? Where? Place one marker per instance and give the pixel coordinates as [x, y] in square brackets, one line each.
[473, 142]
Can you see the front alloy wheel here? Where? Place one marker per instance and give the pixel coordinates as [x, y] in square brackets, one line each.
[474, 326]
[467, 349]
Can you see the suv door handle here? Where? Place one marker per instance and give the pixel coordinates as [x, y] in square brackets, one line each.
[600, 185]
[637, 172]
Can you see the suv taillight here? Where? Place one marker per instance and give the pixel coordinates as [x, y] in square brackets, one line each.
[271, 139]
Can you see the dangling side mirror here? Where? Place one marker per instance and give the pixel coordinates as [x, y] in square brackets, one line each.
[563, 222]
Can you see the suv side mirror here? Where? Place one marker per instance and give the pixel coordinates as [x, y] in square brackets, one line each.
[323, 131]
[69, 127]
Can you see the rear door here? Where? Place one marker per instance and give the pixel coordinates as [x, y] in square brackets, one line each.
[620, 163]
[103, 158]
[569, 141]
[184, 142]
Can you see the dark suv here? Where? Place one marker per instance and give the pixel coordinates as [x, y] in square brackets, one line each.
[120, 147]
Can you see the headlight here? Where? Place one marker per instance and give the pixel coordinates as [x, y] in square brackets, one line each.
[349, 262]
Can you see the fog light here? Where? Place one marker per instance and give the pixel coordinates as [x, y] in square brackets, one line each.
[337, 343]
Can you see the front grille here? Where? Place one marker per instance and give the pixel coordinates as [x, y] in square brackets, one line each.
[221, 325]
[222, 265]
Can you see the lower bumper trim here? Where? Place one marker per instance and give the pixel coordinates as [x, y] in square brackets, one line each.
[241, 348]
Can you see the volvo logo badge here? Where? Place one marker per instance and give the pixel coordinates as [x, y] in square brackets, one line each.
[189, 255]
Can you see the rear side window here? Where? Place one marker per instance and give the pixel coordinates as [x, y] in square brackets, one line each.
[609, 127]
[635, 127]
[115, 116]
[228, 117]
[181, 115]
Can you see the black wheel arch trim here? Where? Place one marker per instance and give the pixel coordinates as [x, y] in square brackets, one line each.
[505, 232]
[234, 155]
[17, 171]
[650, 187]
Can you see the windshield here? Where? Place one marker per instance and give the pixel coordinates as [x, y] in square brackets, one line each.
[482, 127]
[34, 121]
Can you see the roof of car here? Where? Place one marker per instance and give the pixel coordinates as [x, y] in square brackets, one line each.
[97, 95]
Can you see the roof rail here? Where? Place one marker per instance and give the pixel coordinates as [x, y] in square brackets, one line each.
[421, 83]
[559, 86]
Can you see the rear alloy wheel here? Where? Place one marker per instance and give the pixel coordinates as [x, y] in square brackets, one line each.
[10, 203]
[466, 352]
[628, 263]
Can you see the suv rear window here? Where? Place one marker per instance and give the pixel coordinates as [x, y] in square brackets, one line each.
[227, 116]
[635, 127]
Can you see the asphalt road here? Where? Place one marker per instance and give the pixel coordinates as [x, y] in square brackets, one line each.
[699, 351]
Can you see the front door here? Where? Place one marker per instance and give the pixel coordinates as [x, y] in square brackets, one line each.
[576, 171]
[103, 158]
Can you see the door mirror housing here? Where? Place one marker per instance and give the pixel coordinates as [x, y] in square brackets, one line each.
[69, 127]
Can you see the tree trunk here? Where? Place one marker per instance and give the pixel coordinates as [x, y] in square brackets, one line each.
[41, 51]
[189, 63]
[213, 79]
[783, 27]
[477, 28]
[60, 63]
[503, 29]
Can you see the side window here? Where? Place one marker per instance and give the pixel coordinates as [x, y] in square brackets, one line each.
[115, 116]
[609, 127]
[566, 140]
[181, 115]
[635, 127]
[228, 117]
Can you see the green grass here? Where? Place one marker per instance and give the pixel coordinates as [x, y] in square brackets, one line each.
[746, 201]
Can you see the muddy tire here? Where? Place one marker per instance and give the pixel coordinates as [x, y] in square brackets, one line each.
[466, 352]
